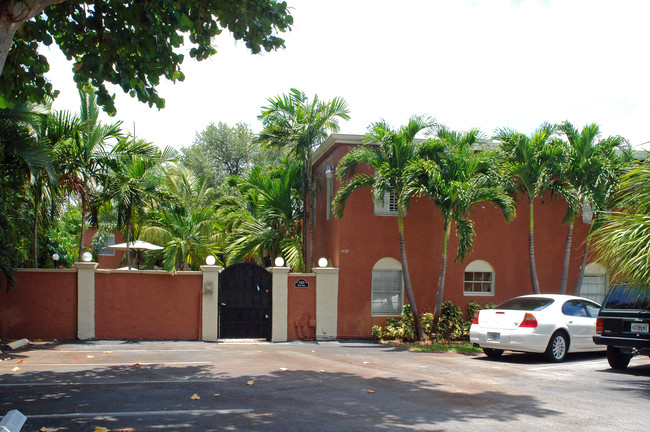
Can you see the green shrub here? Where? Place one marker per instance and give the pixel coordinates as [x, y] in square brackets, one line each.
[451, 325]
[376, 333]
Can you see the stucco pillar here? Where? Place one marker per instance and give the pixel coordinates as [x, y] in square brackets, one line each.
[279, 303]
[327, 302]
[210, 290]
[86, 300]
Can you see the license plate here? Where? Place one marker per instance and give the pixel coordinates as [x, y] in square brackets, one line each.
[639, 327]
[493, 337]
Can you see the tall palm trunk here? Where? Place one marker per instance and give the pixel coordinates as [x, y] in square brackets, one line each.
[581, 273]
[567, 256]
[531, 249]
[37, 200]
[407, 277]
[83, 226]
[443, 275]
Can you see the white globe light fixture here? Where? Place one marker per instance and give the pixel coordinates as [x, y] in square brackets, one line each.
[279, 262]
[55, 257]
[210, 260]
[87, 257]
[322, 262]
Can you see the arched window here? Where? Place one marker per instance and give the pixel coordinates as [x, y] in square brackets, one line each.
[387, 287]
[479, 279]
[594, 282]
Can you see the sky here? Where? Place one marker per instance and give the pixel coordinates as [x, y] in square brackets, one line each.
[485, 64]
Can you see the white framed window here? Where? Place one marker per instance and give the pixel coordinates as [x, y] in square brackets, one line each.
[389, 207]
[105, 247]
[387, 287]
[478, 279]
[594, 282]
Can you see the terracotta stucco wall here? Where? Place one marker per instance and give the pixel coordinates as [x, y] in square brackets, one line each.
[301, 306]
[42, 305]
[151, 306]
[359, 239]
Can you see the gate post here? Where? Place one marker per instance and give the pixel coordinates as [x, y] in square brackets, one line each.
[210, 303]
[279, 303]
[86, 300]
[327, 302]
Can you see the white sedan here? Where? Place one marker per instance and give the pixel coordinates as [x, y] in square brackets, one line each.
[552, 324]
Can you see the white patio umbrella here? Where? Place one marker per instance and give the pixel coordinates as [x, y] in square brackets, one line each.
[138, 246]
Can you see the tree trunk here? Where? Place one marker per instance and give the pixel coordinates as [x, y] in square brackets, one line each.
[83, 227]
[581, 273]
[37, 199]
[567, 256]
[12, 16]
[407, 278]
[443, 274]
[531, 249]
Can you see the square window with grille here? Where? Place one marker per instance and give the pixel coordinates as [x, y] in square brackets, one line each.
[478, 282]
[389, 206]
[386, 292]
[110, 241]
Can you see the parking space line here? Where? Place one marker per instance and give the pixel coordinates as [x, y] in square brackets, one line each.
[141, 413]
[25, 366]
[580, 364]
[100, 383]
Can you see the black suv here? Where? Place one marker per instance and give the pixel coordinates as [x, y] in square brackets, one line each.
[623, 324]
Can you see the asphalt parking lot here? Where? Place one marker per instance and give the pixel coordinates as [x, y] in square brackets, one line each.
[309, 386]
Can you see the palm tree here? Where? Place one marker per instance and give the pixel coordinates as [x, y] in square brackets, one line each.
[587, 176]
[529, 163]
[293, 121]
[22, 157]
[265, 217]
[129, 163]
[51, 129]
[622, 241]
[457, 177]
[188, 235]
[82, 160]
[390, 153]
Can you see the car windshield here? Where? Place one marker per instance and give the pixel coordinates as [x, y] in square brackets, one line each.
[526, 303]
[628, 297]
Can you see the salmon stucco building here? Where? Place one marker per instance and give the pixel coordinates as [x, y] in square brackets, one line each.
[364, 245]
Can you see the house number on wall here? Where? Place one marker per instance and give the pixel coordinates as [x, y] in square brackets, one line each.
[345, 250]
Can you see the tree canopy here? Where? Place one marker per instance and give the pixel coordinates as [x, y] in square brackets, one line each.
[130, 44]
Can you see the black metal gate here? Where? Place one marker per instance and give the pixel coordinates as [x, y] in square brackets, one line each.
[245, 302]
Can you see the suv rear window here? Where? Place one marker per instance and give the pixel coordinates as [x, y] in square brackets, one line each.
[526, 303]
[627, 297]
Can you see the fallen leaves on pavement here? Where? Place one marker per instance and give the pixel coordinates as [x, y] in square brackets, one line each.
[195, 397]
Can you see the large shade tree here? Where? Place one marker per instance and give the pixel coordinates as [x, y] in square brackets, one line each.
[587, 178]
[389, 152]
[529, 163]
[131, 44]
[458, 176]
[295, 122]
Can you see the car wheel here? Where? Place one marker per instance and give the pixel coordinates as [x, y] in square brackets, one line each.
[492, 353]
[557, 348]
[617, 359]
